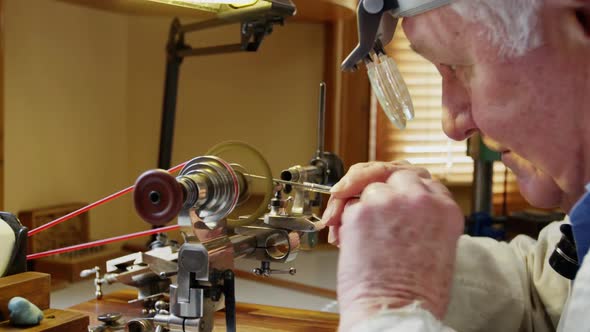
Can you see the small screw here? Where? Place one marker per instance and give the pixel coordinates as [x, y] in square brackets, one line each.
[161, 305]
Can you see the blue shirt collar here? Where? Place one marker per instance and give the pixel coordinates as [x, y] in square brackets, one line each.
[580, 220]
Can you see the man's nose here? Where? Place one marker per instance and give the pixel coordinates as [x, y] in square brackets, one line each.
[458, 126]
[457, 120]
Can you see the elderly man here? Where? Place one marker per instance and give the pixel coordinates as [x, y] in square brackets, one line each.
[518, 72]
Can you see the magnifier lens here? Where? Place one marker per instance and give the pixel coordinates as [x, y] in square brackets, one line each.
[391, 90]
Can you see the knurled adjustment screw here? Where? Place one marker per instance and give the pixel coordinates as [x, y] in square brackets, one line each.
[110, 318]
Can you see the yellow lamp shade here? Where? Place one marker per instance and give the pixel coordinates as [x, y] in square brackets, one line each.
[207, 5]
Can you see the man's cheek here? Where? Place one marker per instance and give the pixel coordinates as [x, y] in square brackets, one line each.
[492, 118]
[498, 102]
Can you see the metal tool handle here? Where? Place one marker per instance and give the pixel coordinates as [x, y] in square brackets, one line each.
[98, 281]
[322, 122]
[88, 272]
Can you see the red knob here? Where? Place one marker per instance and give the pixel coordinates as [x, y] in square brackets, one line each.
[158, 197]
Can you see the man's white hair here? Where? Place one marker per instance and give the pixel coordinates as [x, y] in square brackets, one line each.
[512, 25]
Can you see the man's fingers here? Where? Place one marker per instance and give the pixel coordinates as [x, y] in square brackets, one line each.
[437, 187]
[351, 209]
[409, 181]
[361, 175]
[351, 202]
[406, 181]
[333, 211]
[334, 234]
[376, 192]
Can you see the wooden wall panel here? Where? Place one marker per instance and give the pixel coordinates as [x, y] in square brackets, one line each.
[349, 96]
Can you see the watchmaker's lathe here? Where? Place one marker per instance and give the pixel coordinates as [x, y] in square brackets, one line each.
[182, 286]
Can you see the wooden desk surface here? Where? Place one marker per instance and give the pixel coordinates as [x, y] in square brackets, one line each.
[250, 317]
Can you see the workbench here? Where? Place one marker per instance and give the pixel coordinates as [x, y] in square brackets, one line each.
[249, 317]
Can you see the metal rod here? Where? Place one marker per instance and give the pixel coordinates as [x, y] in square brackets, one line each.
[229, 290]
[243, 245]
[169, 110]
[322, 122]
[232, 48]
[309, 186]
[482, 187]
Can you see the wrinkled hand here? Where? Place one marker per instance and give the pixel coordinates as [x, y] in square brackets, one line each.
[397, 242]
[354, 182]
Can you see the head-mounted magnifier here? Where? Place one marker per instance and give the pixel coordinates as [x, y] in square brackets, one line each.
[377, 20]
